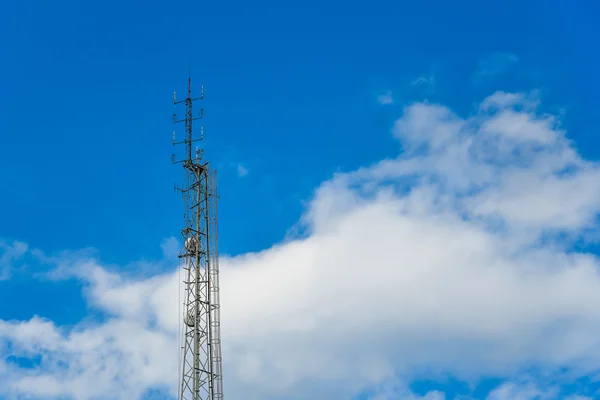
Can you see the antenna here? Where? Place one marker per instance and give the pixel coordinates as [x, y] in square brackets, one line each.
[188, 120]
[201, 375]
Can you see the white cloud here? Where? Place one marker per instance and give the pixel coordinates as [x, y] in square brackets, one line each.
[494, 64]
[408, 395]
[424, 80]
[170, 248]
[395, 390]
[385, 98]
[502, 100]
[10, 255]
[242, 170]
[443, 259]
[522, 391]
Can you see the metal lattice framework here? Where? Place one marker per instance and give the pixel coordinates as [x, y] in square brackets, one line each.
[200, 361]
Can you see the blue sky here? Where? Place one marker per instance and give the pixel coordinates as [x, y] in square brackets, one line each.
[294, 93]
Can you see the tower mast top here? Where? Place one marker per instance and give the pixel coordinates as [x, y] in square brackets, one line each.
[189, 139]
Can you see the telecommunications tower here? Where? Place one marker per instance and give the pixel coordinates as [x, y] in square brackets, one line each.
[200, 375]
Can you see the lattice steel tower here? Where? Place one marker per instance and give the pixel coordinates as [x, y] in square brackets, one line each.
[200, 359]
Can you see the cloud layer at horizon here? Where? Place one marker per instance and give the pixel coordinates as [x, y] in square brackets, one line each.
[454, 258]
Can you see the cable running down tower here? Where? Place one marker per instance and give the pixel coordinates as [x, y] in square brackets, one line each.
[200, 361]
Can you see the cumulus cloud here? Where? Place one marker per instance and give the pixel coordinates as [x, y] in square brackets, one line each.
[449, 258]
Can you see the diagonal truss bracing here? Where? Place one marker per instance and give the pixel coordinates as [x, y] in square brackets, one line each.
[200, 361]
